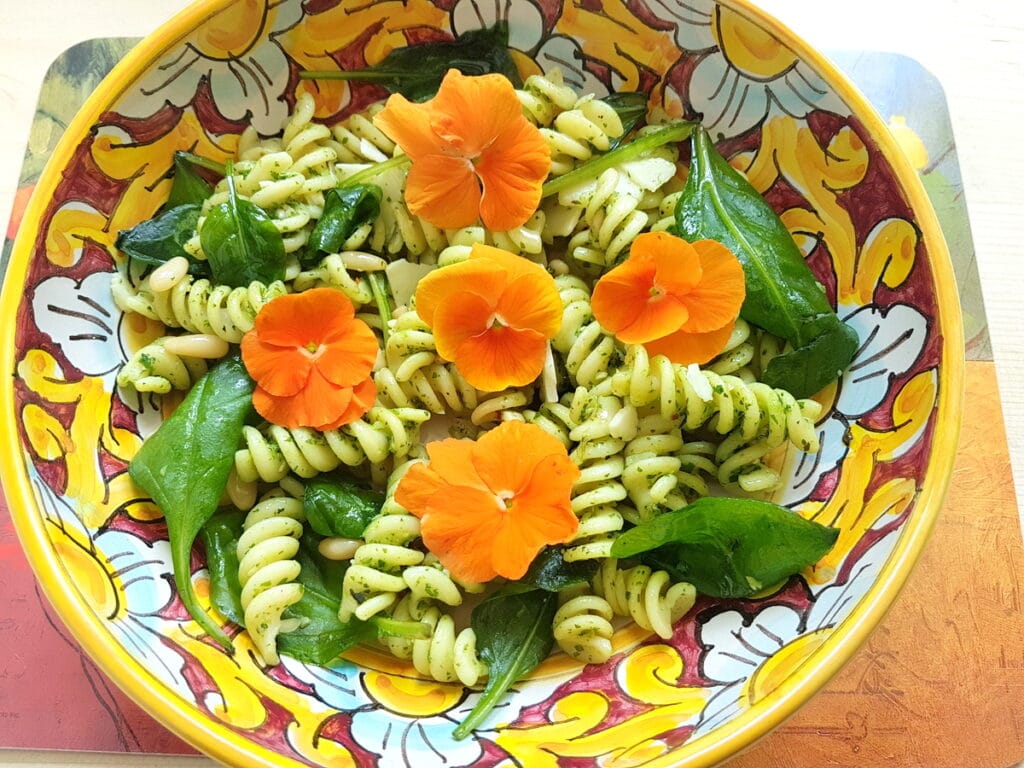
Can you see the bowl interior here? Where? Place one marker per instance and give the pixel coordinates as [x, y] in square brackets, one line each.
[733, 669]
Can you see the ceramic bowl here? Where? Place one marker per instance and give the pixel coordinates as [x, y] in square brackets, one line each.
[733, 669]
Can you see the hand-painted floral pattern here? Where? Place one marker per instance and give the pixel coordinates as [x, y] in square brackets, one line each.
[784, 122]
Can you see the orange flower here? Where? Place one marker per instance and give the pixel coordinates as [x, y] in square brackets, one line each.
[473, 153]
[311, 359]
[492, 316]
[678, 299]
[488, 507]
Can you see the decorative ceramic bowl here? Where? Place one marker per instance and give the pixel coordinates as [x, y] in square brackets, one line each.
[733, 669]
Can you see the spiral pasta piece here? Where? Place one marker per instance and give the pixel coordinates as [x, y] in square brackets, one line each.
[199, 306]
[154, 368]
[383, 433]
[586, 349]
[545, 96]
[589, 126]
[583, 629]
[648, 597]
[339, 270]
[268, 571]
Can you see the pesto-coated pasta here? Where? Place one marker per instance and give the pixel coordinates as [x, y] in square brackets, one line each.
[268, 571]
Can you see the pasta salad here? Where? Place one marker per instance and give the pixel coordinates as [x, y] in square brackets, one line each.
[473, 375]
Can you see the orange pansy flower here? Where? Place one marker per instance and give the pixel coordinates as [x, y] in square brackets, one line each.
[678, 299]
[473, 153]
[487, 507]
[311, 359]
[492, 316]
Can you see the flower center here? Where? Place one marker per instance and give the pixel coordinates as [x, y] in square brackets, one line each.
[496, 321]
[503, 497]
[313, 350]
[657, 293]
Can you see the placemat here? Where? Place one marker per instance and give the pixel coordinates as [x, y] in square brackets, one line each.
[936, 685]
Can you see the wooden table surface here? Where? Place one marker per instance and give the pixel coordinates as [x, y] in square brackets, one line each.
[941, 682]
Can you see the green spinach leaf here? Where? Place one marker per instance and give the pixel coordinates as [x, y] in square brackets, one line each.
[345, 209]
[728, 547]
[241, 242]
[631, 108]
[185, 464]
[513, 636]
[551, 572]
[188, 187]
[163, 237]
[416, 71]
[220, 540]
[324, 636]
[783, 296]
[335, 507]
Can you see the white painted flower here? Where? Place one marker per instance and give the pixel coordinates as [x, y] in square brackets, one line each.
[136, 584]
[336, 684]
[80, 317]
[744, 74]
[739, 645]
[238, 59]
[93, 334]
[891, 341]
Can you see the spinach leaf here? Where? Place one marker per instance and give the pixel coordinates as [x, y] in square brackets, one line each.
[241, 242]
[345, 209]
[220, 540]
[631, 108]
[513, 636]
[163, 237]
[339, 507]
[324, 636]
[810, 367]
[728, 547]
[551, 572]
[783, 296]
[185, 464]
[188, 187]
[416, 71]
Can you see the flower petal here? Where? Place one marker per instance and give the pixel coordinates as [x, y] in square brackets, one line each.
[683, 347]
[532, 301]
[623, 303]
[717, 299]
[363, 397]
[676, 262]
[316, 404]
[281, 371]
[349, 358]
[466, 315]
[471, 112]
[301, 319]
[512, 171]
[408, 125]
[439, 286]
[459, 527]
[444, 190]
[451, 458]
[416, 488]
[501, 357]
[506, 456]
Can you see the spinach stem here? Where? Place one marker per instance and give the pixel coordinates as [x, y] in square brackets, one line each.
[416, 630]
[379, 288]
[366, 75]
[204, 162]
[591, 169]
[360, 177]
